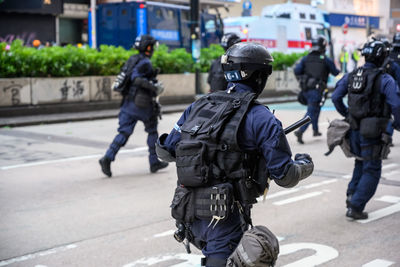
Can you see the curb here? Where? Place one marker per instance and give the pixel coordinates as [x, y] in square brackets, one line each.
[104, 114]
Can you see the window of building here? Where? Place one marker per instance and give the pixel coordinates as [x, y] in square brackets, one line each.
[302, 15]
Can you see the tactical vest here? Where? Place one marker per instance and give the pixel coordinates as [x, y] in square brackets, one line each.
[315, 67]
[208, 153]
[364, 97]
[217, 79]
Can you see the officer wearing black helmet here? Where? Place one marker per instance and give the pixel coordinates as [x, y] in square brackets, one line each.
[392, 63]
[216, 78]
[373, 98]
[226, 145]
[313, 71]
[138, 105]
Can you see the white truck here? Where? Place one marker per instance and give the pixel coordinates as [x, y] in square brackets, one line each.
[285, 27]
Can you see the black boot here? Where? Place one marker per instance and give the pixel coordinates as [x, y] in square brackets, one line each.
[105, 164]
[158, 166]
[348, 201]
[316, 133]
[356, 215]
[299, 136]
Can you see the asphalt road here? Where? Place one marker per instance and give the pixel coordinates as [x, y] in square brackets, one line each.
[58, 209]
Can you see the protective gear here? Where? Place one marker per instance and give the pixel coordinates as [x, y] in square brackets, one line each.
[122, 82]
[248, 63]
[155, 167]
[374, 52]
[146, 84]
[301, 168]
[319, 44]
[208, 135]
[145, 44]
[365, 99]
[258, 247]
[315, 71]
[105, 166]
[161, 150]
[229, 39]
[396, 40]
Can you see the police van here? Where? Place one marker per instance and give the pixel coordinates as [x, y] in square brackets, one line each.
[119, 23]
[285, 27]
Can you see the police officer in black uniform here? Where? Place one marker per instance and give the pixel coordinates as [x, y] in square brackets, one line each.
[313, 71]
[216, 78]
[225, 146]
[138, 104]
[373, 96]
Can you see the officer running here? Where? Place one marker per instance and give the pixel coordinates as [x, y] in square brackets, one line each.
[372, 97]
[216, 78]
[226, 145]
[138, 104]
[314, 70]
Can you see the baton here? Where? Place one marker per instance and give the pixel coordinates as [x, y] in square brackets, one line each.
[297, 124]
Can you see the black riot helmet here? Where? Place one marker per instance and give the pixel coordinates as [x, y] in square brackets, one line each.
[229, 39]
[396, 40]
[374, 52]
[386, 42]
[247, 63]
[319, 44]
[145, 44]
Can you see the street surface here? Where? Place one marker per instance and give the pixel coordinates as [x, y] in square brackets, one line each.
[58, 209]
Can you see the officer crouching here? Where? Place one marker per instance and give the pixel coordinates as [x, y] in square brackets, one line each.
[373, 96]
[226, 145]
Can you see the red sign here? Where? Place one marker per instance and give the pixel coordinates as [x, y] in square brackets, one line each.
[345, 28]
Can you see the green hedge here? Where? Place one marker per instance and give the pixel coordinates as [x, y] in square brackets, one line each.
[17, 60]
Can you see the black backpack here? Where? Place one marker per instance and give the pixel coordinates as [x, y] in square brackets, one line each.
[122, 82]
[208, 153]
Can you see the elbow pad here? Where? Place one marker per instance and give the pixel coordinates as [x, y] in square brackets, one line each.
[296, 172]
[161, 150]
[144, 83]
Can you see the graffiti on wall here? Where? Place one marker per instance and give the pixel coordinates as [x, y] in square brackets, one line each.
[74, 89]
[15, 93]
[103, 89]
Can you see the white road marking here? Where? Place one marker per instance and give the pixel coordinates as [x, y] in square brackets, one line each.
[322, 254]
[378, 263]
[388, 174]
[37, 254]
[135, 150]
[298, 198]
[297, 189]
[389, 166]
[378, 214]
[347, 176]
[389, 199]
[189, 260]
[166, 233]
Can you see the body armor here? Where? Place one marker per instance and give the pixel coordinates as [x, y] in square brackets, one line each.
[364, 97]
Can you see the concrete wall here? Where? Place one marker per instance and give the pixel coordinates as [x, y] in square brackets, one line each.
[178, 88]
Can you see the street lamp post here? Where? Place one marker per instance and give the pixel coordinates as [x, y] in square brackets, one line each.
[93, 22]
[195, 39]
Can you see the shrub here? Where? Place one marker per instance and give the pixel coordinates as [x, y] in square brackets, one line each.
[17, 60]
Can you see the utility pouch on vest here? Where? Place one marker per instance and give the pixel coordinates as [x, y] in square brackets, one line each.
[387, 141]
[192, 168]
[373, 127]
[182, 208]
[143, 99]
[214, 202]
[301, 98]
[247, 190]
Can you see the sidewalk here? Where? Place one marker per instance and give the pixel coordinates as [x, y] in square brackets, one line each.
[104, 114]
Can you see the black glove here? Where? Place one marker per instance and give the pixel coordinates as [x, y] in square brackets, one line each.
[303, 157]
